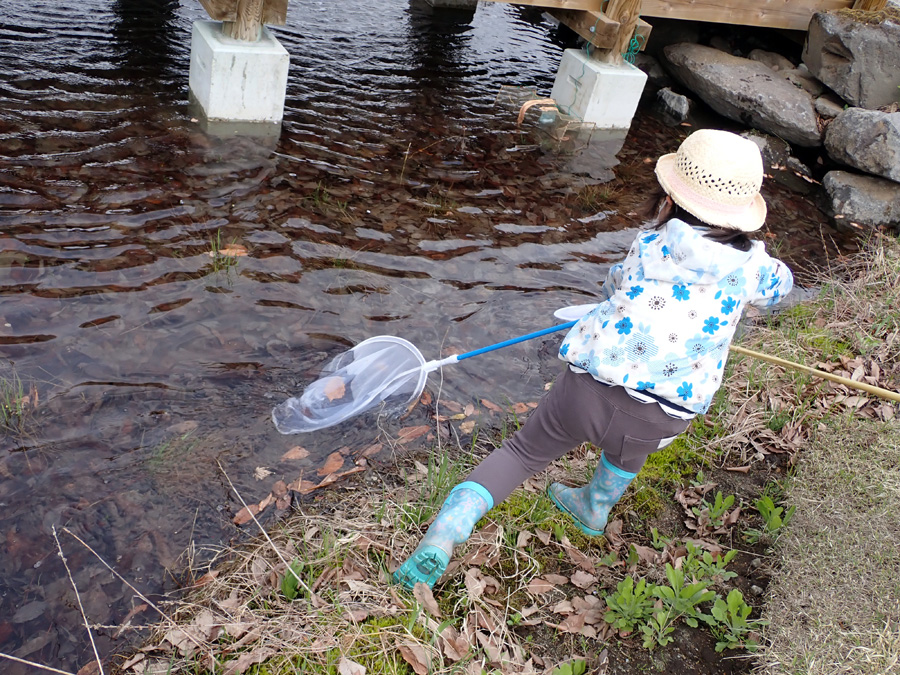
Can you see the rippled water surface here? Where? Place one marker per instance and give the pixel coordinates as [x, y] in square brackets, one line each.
[398, 199]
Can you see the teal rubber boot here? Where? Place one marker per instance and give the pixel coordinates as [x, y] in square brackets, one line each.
[589, 506]
[464, 506]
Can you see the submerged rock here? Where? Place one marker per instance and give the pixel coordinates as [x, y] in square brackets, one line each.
[775, 61]
[864, 200]
[857, 54]
[677, 107]
[746, 91]
[868, 140]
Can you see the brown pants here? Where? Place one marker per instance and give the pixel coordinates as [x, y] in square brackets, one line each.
[577, 409]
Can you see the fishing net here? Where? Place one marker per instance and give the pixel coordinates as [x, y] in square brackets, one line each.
[382, 369]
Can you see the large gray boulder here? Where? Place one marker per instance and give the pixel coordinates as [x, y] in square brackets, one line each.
[868, 140]
[864, 200]
[746, 91]
[859, 60]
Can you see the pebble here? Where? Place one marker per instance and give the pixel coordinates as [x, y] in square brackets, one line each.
[756, 563]
[756, 590]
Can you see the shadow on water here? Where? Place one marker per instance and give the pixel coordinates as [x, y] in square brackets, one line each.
[147, 39]
[399, 200]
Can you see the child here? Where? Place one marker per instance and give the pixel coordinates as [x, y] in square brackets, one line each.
[648, 358]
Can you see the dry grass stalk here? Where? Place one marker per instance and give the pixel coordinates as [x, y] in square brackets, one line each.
[38, 666]
[84, 618]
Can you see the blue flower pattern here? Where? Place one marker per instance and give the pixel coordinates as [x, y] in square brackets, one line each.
[681, 292]
[619, 342]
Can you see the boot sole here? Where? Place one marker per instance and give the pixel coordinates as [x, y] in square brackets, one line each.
[425, 566]
[581, 526]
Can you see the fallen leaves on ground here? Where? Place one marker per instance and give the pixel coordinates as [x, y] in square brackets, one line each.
[297, 452]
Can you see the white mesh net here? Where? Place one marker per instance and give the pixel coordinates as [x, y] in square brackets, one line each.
[383, 369]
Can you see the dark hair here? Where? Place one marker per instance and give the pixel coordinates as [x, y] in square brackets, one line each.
[656, 211]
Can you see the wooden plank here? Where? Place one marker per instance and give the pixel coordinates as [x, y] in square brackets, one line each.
[590, 5]
[790, 14]
[595, 27]
[643, 31]
[274, 12]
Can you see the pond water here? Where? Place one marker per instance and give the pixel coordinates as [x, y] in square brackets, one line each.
[399, 199]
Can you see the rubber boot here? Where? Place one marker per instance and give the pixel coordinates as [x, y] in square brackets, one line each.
[589, 506]
[464, 506]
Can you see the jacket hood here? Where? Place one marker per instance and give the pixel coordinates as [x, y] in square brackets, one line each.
[680, 253]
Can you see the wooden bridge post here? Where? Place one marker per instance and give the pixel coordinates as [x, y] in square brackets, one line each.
[603, 87]
[238, 69]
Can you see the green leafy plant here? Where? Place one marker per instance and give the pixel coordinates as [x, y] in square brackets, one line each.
[704, 566]
[772, 515]
[683, 599]
[575, 667]
[658, 630]
[716, 511]
[630, 605]
[659, 541]
[290, 585]
[732, 629]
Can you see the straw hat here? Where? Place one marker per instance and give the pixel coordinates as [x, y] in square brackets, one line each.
[716, 176]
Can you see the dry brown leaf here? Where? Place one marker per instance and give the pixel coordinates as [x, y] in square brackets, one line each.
[334, 388]
[563, 607]
[357, 615]
[247, 659]
[543, 535]
[613, 534]
[452, 406]
[425, 398]
[520, 408]
[415, 656]
[455, 646]
[333, 463]
[467, 427]
[583, 580]
[92, 668]
[423, 594]
[493, 407]
[297, 452]
[261, 473]
[348, 667]
[230, 251]
[469, 410]
[245, 515]
[738, 469]
[646, 554]
[539, 586]
[557, 579]
[183, 427]
[523, 538]
[408, 434]
[491, 646]
[580, 559]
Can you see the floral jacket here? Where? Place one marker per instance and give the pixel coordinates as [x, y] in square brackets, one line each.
[669, 313]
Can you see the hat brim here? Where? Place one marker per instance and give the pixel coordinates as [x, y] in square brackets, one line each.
[744, 219]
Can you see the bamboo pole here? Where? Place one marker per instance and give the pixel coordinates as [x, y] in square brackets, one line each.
[877, 391]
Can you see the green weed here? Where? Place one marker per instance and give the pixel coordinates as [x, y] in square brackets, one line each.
[630, 606]
[14, 404]
[732, 627]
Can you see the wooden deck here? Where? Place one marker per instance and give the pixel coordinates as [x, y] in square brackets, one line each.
[587, 17]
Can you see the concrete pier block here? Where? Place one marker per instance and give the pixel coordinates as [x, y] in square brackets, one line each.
[598, 92]
[235, 80]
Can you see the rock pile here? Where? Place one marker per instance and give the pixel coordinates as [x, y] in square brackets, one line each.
[843, 97]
